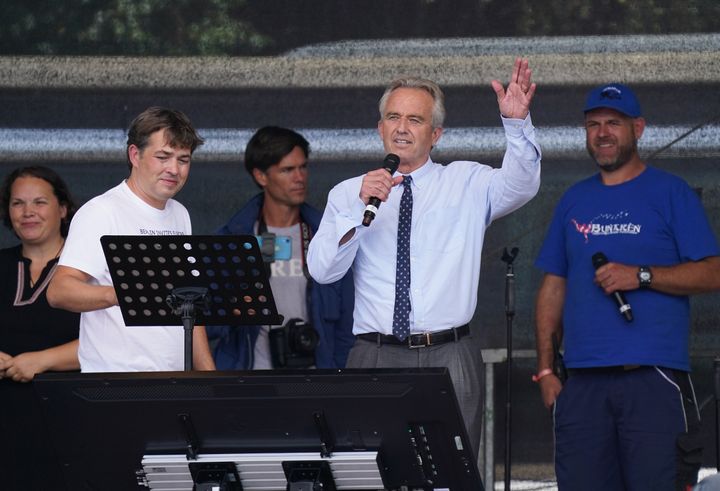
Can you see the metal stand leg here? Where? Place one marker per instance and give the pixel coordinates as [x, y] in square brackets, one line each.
[489, 427]
[717, 413]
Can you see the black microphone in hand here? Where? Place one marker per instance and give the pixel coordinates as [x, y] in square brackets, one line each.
[390, 164]
[599, 259]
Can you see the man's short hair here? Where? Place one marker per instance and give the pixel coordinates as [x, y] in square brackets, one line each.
[438, 111]
[180, 132]
[269, 145]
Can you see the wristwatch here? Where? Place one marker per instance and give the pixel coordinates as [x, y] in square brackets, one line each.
[645, 276]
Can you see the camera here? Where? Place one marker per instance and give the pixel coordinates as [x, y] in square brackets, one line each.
[293, 344]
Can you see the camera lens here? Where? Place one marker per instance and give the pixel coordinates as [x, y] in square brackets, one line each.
[302, 338]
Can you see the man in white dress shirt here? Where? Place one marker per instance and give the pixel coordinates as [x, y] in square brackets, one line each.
[420, 317]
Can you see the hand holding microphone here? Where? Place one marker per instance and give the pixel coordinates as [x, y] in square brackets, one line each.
[375, 180]
[599, 260]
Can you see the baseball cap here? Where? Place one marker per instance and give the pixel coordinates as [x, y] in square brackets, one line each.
[614, 96]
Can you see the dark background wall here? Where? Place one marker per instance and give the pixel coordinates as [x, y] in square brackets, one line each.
[216, 189]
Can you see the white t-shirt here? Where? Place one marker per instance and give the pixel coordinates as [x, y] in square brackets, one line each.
[106, 344]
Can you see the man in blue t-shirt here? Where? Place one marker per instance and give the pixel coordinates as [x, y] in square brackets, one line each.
[624, 250]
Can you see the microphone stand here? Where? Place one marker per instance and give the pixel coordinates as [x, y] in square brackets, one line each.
[508, 258]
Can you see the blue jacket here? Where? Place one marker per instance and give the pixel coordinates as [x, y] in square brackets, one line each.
[330, 306]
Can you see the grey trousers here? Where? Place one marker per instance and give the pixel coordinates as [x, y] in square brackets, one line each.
[462, 358]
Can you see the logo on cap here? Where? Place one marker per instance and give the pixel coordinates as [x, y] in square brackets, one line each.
[610, 93]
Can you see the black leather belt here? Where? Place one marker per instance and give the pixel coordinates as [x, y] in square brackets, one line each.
[419, 340]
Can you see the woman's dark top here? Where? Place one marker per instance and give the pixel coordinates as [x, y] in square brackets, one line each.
[27, 323]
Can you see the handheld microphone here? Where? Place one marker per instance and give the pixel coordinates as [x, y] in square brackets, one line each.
[599, 259]
[390, 164]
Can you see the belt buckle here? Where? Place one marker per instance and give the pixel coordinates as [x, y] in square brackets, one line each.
[428, 342]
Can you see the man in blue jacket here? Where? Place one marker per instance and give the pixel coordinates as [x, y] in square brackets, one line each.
[276, 158]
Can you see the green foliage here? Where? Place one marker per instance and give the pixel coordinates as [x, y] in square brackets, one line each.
[261, 27]
[128, 27]
[604, 17]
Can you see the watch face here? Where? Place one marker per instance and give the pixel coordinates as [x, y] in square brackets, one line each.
[645, 275]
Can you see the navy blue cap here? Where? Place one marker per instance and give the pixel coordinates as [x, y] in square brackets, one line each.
[614, 96]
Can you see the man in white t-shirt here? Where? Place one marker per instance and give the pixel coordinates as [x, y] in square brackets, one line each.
[159, 149]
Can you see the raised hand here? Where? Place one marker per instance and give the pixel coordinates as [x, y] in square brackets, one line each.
[514, 102]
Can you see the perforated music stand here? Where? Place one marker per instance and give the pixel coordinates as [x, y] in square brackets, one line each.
[172, 280]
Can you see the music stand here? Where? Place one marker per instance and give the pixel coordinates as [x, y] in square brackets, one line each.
[172, 280]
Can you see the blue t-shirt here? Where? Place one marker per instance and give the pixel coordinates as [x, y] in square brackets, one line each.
[654, 219]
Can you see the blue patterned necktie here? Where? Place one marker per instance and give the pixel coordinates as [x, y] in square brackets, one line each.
[401, 315]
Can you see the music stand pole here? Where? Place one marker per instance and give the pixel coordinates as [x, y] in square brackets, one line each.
[717, 413]
[183, 302]
[508, 258]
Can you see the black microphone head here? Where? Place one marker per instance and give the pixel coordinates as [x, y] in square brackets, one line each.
[599, 259]
[391, 163]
